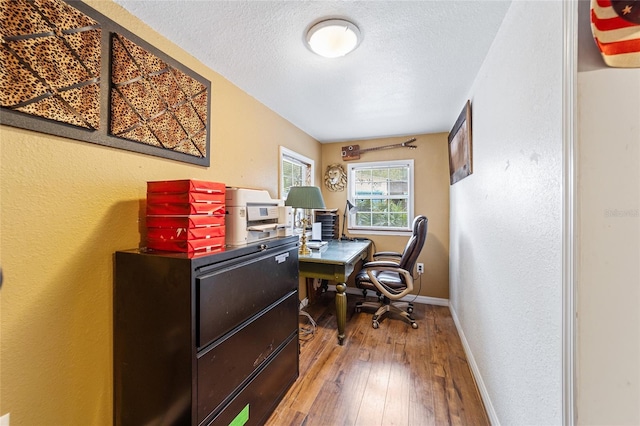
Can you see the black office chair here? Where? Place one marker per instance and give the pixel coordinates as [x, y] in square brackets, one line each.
[393, 279]
[394, 256]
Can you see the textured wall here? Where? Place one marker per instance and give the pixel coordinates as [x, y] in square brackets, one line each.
[66, 207]
[608, 292]
[506, 239]
[608, 350]
[431, 179]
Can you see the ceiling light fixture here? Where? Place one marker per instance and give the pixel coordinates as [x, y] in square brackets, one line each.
[333, 38]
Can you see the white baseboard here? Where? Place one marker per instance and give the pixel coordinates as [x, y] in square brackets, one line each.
[425, 300]
[484, 394]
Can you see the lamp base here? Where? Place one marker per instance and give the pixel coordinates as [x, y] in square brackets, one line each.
[303, 239]
[304, 250]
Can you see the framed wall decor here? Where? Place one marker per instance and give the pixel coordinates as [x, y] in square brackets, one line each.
[335, 178]
[68, 70]
[460, 146]
[51, 58]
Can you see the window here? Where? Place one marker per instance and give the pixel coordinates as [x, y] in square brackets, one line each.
[295, 170]
[382, 193]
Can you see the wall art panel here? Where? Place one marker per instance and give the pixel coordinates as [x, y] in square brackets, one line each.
[51, 57]
[56, 59]
[147, 92]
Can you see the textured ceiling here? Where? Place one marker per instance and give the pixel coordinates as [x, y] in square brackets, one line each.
[410, 75]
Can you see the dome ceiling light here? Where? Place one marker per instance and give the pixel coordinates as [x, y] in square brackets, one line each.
[333, 38]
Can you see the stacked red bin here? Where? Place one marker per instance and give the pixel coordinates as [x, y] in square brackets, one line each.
[186, 216]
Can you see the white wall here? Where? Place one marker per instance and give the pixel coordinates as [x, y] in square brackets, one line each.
[608, 376]
[506, 227]
[608, 270]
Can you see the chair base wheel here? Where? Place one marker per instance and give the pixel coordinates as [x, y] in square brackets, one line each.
[375, 324]
[414, 325]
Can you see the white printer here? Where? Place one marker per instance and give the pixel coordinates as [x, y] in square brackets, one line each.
[252, 215]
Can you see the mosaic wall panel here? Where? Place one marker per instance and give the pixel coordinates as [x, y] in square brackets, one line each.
[154, 103]
[53, 56]
[50, 54]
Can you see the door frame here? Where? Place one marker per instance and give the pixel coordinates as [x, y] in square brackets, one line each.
[569, 203]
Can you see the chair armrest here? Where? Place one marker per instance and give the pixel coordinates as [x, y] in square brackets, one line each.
[379, 264]
[387, 255]
[389, 267]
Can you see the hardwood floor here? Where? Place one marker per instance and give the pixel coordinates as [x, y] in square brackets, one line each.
[393, 375]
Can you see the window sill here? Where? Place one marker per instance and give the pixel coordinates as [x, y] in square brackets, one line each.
[379, 232]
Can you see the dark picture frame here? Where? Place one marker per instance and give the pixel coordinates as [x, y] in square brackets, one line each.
[184, 133]
[461, 147]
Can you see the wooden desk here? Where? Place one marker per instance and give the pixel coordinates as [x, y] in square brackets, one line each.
[336, 262]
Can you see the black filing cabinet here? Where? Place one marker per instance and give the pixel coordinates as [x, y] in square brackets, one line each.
[210, 339]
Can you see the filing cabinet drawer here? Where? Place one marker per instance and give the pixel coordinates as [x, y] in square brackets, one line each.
[224, 366]
[229, 296]
[255, 402]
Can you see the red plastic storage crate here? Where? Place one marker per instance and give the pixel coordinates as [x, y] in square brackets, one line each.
[183, 234]
[207, 245]
[193, 221]
[187, 185]
[186, 216]
[184, 197]
[184, 209]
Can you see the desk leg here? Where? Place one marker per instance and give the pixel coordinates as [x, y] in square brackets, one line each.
[341, 310]
[311, 291]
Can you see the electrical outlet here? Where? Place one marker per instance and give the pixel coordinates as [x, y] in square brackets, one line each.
[303, 303]
[420, 268]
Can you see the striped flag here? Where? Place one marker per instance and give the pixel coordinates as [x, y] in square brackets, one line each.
[616, 28]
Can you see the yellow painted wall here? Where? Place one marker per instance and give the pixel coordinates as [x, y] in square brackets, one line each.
[66, 206]
[431, 178]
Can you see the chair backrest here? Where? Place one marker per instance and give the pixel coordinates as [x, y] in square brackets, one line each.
[414, 245]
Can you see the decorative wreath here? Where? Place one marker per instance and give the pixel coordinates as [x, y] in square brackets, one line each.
[335, 178]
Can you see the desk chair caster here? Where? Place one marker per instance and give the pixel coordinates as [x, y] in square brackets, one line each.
[376, 324]
[383, 309]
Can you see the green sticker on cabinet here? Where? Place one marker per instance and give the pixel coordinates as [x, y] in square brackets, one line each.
[241, 418]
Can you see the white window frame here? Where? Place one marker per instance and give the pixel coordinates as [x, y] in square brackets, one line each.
[351, 170]
[308, 162]
[310, 178]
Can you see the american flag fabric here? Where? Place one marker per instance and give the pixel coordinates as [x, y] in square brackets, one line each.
[616, 28]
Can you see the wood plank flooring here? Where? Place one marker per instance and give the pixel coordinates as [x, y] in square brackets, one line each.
[393, 375]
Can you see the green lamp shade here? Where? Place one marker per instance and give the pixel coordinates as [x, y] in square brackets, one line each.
[305, 197]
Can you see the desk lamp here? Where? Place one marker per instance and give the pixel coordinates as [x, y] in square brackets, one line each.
[304, 197]
[348, 208]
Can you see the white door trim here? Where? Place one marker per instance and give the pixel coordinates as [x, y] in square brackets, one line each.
[569, 225]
